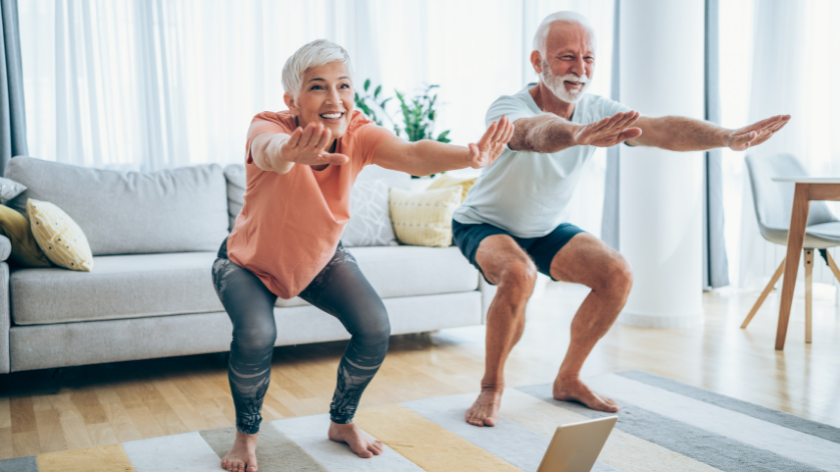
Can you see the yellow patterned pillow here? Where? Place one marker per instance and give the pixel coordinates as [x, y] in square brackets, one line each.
[59, 236]
[445, 181]
[424, 218]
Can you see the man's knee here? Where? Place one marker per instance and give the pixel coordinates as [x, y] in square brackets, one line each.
[618, 276]
[519, 276]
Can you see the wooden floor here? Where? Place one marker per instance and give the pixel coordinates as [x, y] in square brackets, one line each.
[44, 411]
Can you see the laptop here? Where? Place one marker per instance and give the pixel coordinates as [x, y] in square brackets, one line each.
[575, 447]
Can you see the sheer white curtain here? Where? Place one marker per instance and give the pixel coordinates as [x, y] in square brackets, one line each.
[150, 84]
[795, 69]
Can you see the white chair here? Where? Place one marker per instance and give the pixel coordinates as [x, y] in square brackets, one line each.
[773, 205]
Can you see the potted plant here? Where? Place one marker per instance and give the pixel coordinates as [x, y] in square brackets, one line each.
[418, 113]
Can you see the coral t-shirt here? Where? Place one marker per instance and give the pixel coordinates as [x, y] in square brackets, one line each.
[290, 224]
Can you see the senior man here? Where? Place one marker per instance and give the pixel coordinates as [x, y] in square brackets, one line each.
[513, 223]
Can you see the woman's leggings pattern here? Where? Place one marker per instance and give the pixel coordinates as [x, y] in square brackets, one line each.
[340, 290]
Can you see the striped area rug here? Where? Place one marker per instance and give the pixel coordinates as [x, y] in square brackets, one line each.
[664, 426]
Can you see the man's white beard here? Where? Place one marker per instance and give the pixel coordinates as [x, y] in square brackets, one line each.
[555, 83]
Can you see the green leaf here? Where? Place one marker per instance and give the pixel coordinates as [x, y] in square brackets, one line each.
[376, 92]
[367, 85]
[442, 137]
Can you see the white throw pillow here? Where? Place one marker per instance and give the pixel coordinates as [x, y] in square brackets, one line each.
[9, 189]
[370, 217]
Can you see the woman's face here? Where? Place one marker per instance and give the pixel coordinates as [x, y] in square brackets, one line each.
[326, 98]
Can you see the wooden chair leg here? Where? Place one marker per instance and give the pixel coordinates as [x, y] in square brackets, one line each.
[833, 266]
[809, 296]
[764, 294]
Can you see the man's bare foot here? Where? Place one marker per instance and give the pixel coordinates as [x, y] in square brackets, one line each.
[575, 390]
[359, 441]
[243, 455]
[485, 410]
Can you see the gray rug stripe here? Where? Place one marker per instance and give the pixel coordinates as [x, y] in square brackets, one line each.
[713, 449]
[507, 440]
[780, 418]
[275, 452]
[19, 464]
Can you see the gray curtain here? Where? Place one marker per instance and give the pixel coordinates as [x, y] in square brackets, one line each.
[610, 218]
[12, 114]
[715, 262]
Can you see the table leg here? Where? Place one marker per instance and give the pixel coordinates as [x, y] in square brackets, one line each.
[796, 238]
[809, 295]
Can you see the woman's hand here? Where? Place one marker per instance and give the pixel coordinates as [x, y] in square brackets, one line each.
[491, 145]
[308, 147]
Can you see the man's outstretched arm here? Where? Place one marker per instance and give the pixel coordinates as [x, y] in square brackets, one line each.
[676, 133]
[548, 133]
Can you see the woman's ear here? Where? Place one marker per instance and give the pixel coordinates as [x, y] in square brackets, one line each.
[290, 103]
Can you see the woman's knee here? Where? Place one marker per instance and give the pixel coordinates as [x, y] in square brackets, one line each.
[374, 328]
[254, 340]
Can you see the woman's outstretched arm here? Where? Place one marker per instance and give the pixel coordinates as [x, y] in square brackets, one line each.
[279, 152]
[430, 157]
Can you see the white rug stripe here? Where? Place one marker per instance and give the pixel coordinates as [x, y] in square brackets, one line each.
[186, 452]
[622, 451]
[507, 440]
[785, 442]
[310, 433]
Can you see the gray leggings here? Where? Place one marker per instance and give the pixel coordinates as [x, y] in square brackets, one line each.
[340, 290]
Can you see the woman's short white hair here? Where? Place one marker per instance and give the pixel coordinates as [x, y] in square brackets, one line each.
[541, 35]
[314, 54]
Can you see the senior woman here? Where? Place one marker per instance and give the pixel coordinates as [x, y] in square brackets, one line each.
[301, 165]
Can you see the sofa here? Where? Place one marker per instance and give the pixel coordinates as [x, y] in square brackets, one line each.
[154, 237]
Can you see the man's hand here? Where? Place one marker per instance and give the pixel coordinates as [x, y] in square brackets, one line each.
[757, 133]
[609, 131]
[307, 147]
[491, 145]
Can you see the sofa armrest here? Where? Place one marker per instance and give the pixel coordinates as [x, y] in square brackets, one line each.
[5, 319]
[488, 291]
[5, 248]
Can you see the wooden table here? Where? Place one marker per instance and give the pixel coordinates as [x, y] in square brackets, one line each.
[807, 189]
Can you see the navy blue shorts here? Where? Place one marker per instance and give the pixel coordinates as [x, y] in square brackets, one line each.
[542, 250]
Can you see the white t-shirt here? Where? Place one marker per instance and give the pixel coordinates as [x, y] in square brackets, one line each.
[526, 193]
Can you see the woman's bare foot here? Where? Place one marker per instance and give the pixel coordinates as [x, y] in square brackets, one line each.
[243, 455]
[485, 410]
[575, 390]
[359, 441]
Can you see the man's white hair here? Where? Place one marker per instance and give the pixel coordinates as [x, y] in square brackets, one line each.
[541, 36]
[314, 54]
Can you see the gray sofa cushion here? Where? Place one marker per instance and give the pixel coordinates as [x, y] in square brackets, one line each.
[128, 286]
[141, 285]
[131, 213]
[64, 344]
[236, 183]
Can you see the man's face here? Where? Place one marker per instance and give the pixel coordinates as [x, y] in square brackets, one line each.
[569, 61]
